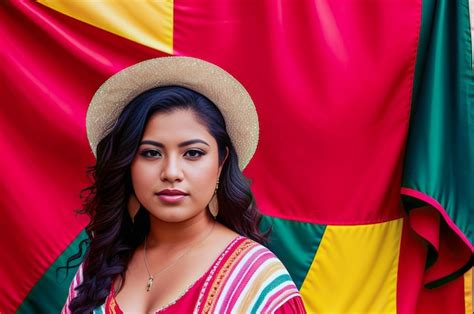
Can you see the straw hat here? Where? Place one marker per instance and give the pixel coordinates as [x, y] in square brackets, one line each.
[206, 78]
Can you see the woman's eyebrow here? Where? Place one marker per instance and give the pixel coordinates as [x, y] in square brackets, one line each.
[158, 144]
[190, 142]
[186, 143]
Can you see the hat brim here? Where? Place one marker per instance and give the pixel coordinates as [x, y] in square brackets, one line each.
[216, 84]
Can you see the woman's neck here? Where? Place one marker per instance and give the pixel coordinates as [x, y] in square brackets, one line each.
[176, 235]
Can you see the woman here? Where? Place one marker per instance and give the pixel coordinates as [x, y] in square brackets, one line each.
[174, 227]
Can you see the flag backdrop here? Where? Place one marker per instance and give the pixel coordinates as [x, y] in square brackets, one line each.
[365, 163]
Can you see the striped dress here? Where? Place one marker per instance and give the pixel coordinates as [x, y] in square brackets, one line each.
[245, 278]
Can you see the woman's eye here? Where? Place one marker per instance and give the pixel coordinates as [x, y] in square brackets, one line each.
[194, 154]
[151, 153]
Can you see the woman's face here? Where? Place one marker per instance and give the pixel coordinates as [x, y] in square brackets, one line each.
[175, 170]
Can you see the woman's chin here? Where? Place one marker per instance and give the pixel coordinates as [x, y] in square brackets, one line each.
[172, 215]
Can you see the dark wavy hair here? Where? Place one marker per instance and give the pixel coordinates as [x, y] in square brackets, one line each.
[112, 236]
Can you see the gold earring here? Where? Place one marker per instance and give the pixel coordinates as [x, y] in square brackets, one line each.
[133, 206]
[213, 204]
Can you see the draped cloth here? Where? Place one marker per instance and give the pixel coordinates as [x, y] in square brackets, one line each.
[365, 160]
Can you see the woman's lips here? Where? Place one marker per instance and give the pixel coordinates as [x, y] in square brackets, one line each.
[171, 195]
[171, 198]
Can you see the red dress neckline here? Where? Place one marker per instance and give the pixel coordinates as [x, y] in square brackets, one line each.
[189, 293]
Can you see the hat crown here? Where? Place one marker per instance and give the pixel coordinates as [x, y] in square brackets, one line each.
[229, 96]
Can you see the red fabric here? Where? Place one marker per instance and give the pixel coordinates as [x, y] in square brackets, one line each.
[332, 83]
[448, 298]
[412, 296]
[438, 210]
[452, 255]
[411, 266]
[426, 223]
[332, 87]
[184, 304]
[219, 284]
[451, 252]
[51, 66]
[294, 305]
[452, 249]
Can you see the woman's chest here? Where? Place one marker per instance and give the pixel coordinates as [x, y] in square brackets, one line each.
[166, 290]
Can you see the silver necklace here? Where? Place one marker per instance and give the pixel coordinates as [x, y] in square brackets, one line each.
[150, 277]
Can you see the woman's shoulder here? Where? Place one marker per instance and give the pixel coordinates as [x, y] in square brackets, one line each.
[259, 261]
[257, 256]
[252, 278]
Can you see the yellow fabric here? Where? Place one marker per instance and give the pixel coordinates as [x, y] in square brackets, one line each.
[355, 270]
[468, 291]
[149, 23]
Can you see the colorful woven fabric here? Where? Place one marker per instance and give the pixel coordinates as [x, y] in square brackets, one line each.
[245, 278]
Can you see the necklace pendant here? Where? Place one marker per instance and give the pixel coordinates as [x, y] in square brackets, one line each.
[149, 284]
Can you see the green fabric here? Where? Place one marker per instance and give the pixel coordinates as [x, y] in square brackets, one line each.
[440, 149]
[294, 243]
[439, 158]
[50, 292]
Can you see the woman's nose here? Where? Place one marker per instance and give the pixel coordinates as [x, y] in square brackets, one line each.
[171, 170]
